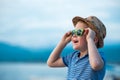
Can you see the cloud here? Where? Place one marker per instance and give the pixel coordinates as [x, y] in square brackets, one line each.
[40, 22]
[113, 32]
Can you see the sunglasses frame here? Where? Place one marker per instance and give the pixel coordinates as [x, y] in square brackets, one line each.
[78, 32]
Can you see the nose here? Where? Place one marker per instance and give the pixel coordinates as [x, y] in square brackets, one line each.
[74, 35]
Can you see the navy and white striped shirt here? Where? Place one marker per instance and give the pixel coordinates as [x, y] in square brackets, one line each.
[80, 68]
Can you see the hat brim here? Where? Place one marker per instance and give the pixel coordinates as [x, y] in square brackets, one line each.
[76, 19]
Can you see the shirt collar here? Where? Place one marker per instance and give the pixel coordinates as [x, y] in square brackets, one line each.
[78, 53]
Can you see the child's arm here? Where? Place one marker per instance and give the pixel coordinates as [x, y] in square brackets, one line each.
[55, 60]
[94, 56]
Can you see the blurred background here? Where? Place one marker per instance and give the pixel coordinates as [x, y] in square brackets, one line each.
[30, 29]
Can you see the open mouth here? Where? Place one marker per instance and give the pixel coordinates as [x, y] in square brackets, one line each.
[75, 41]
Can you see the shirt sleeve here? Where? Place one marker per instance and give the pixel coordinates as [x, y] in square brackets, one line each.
[103, 57]
[101, 72]
[67, 59]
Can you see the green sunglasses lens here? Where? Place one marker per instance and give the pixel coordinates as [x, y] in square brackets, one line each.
[73, 32]
[79, 32]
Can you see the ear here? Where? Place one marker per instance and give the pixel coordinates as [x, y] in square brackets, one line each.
[95, 39]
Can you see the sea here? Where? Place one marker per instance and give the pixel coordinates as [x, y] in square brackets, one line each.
[31, 71]
[40, 71]
[13, 69]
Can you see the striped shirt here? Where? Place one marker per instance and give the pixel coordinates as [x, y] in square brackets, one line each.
[80, 69]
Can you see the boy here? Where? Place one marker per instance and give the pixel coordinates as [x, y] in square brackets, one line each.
[87, 63]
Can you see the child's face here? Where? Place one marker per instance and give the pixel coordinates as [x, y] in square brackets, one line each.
[79, 42]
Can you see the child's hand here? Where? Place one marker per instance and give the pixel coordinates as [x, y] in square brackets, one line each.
[67, 37]
[90, 34]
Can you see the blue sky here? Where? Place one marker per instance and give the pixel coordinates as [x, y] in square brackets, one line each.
[40, 23]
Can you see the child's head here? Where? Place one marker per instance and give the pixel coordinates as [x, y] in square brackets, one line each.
[78, 37]
[95, 24]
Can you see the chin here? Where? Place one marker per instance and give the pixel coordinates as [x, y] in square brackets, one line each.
[75, 48]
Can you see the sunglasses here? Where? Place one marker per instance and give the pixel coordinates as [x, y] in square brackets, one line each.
[78, 32]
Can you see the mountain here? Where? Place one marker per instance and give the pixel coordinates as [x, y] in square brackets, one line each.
[10, 53]
[112, 53]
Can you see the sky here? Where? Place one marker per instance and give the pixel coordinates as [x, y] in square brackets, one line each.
[42, 23]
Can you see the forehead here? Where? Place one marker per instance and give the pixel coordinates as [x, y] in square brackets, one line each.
[81, 24]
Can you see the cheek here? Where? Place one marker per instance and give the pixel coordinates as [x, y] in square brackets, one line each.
[82, 40]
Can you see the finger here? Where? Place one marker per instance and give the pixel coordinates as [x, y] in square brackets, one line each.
[69, 33]
[86, 31]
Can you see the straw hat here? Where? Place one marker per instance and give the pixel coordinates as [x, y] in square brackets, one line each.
[95, 24]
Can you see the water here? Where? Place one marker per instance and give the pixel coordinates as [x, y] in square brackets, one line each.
[38, 71]
[30, 71]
